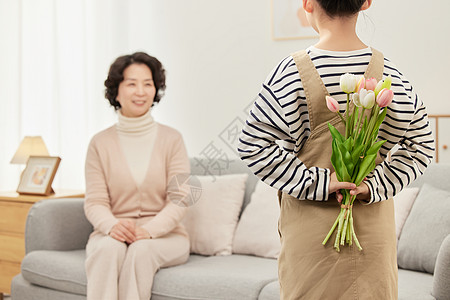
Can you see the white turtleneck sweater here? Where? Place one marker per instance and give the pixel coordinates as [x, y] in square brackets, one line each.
[137, 139]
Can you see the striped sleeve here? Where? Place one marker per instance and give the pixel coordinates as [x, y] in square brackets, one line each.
[268, 139]
[414, 149]
[278, 127]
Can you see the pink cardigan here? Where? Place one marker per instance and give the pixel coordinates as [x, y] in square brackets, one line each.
[112, 193]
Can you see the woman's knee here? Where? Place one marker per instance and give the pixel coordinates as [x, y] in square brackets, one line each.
[141, 248]
[160, 252]
[106, 247]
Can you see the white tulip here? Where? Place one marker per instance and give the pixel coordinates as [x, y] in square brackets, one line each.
[348, 83]
[367, 98]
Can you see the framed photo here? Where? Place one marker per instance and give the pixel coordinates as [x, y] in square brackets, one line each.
[38, 175]
[289, 21]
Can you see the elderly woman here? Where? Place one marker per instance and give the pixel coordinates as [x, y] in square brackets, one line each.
[137, 228]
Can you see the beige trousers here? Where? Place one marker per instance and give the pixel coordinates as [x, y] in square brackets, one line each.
[118, 271]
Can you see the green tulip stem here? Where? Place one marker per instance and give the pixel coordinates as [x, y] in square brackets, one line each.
[360, 122]
[354, 234]
[331, 230]
[344, 230]
[349, 234]
[370, 128]
[339, 232]
[347, 125]
[340, 115]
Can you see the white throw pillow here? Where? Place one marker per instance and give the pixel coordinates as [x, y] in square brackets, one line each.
[257, 230]
[212, 220]
[403, 202]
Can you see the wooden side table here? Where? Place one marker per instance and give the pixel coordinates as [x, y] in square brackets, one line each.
[13, 214]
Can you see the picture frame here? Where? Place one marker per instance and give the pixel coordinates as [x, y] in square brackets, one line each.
[38, 175]
[289, 21]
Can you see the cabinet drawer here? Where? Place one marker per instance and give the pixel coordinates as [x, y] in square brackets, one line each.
[12, 247]
[13, 216]
[443, 149]
[7, 271]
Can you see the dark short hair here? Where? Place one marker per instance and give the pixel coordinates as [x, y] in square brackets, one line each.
[341, 8]
[115, 75]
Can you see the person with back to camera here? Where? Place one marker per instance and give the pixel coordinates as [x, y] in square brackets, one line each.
[287, 144]
[137, 228]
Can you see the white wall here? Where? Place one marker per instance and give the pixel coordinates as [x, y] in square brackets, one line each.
[216, 54]
[414, 34]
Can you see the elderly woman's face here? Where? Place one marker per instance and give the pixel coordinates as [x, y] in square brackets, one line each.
[136, 91]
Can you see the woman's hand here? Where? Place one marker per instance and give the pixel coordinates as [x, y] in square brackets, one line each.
[336, 185]
[142, 234]
[124, 231]
[362, 191]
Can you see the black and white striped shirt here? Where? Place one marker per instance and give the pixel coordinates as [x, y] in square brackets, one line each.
[278, 127]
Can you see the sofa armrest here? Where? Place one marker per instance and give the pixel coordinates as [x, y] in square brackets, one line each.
[57, 224]
[441, 280]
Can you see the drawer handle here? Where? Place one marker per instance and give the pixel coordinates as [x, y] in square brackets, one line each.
[445, 147]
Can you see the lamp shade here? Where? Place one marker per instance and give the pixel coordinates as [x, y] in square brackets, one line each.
[30, 145]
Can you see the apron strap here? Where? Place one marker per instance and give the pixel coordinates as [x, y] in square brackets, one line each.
[316, 91]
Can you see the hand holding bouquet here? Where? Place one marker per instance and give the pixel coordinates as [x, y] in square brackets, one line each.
[354, 153]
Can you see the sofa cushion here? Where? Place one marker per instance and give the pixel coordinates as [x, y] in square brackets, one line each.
[257, 230]
[21, 289]
[57, 270]
[414, 285]
[426, 227]
[212, 220]
[270, 291]
[441, 282]
[215, 277]
[222, 166]
[403, 202]
[435, 175]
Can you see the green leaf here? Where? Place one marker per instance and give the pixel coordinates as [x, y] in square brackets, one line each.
[355, 172]
[360, 138]
[344, 152]
[335, 133]
[375, 147]
[336, 160]
[356, 153]
[344, 158]
[338, 167]
[348, 144]
[366, 123]
[366, 166]
[380, 119]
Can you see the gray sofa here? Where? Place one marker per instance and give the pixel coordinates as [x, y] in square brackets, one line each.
[57, 232]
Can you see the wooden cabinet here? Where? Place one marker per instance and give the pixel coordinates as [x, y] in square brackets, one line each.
[440, 124]
[13, 214]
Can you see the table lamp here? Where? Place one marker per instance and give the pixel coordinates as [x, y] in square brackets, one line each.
[30, 146]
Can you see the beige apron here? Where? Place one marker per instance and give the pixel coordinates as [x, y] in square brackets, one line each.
[307, 269]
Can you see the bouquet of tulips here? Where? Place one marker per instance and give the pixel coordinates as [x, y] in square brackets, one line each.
[354, 153]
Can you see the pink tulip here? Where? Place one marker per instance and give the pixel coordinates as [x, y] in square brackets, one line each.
[332, 104]
[385, 97]
[361, 83]
[371, 83]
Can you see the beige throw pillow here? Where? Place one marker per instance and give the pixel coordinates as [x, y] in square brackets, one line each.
[257, 230]
[211, 221]
[403, 202]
